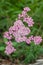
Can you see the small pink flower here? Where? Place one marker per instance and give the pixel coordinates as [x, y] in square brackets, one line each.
[31, 37]
[18, 23]
[20, 39]
[7, 35]
[20, 16]
[24, 38]
[26, 9]
[11, 30]
[24, 31]
[24, 13]
[9, 49]
[8, 43]
[29, 21]
[30, 24]
[37, 39]
[26, 19]
[28, 41]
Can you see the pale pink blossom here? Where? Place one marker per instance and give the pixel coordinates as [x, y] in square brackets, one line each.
[9, 49]
[26, 19]
[29, 21]
[28, 41]
[31, 37]
[37, 39]
[20, 39]
[11, 30]
[26, 9]
[24, 31]
[7, 35]
[18, 23]
[20, 16]
[8, 43]
[24, 14]
[30, 24]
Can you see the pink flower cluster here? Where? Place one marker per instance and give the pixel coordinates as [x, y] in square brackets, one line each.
[7, 35]
[25, 17]
[19, 32]
[9, 48]
[37, 39]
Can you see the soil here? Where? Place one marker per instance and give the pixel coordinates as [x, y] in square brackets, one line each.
[7, 61]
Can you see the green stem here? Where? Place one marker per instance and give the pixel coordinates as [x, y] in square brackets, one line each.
[38, 30]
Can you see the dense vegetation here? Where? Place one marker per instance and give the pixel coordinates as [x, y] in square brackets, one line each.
[9, 10]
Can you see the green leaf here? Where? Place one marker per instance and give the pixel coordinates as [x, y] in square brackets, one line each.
[14, 43]
[2, 48]
[5, 40]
